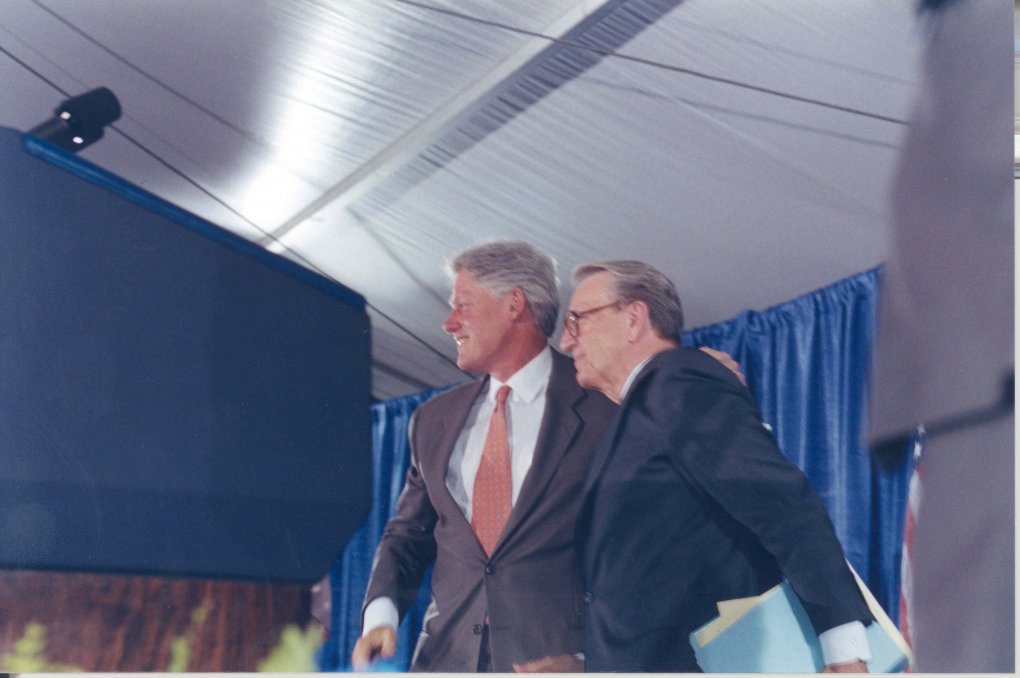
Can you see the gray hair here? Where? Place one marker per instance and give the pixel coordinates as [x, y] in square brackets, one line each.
[638, 281]
[502, 265]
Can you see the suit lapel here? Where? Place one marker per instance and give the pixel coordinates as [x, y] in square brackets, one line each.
[448, 430]
[603, 452]
[608, 446]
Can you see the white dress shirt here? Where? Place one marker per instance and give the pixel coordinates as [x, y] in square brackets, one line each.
[524, 409]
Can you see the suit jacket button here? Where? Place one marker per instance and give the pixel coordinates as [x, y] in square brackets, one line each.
[490, 569]
[588, 597]
[476, 629]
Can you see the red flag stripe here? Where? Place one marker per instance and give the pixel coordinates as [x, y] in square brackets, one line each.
[914, 497]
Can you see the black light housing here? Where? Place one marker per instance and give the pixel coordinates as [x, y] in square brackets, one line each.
[79, 121]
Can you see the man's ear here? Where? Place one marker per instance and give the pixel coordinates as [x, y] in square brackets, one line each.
[518, 302]
[637, 320]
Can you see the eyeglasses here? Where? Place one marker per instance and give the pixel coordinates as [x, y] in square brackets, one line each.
[570, 323]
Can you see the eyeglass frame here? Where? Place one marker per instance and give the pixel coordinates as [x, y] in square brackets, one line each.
[572, 321]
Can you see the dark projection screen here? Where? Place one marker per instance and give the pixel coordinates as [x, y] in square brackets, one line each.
[173, 398]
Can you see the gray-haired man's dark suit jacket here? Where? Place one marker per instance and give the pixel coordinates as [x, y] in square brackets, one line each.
[689, 502]
[529, 588]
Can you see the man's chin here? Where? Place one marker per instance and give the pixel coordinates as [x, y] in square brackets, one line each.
[467, 364]
[590, 382]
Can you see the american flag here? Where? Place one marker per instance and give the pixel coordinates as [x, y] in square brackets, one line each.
[906, 621]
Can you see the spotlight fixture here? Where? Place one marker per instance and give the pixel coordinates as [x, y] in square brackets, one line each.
[79, 121]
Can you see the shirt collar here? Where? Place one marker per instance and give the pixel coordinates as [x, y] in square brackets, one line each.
[527, 383]
[631, 377]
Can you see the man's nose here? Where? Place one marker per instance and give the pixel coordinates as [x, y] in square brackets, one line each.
[451, 324]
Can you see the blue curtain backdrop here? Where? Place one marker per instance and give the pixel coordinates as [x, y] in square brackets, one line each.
[806, 362]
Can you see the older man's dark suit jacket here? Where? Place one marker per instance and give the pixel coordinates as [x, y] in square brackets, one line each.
[688, 502]
[529, 588]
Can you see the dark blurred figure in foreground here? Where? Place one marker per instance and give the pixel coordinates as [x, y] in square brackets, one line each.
[945, 348]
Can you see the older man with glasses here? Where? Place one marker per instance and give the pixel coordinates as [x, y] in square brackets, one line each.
[688, 500]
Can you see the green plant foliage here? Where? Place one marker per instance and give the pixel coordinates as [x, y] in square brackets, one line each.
[180, 647]
[295, 652]
[29, 655]
[180, 655]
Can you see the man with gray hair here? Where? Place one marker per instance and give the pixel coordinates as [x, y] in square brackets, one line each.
[688, 500]
[494, 484]
[494, 509]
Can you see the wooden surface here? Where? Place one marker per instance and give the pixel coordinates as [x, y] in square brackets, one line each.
[128, 623]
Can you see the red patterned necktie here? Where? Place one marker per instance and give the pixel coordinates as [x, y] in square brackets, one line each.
[490, 502]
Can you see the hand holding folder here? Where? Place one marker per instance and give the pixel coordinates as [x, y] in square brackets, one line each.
[771, 633]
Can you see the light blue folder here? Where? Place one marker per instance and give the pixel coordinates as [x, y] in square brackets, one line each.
[772, 634]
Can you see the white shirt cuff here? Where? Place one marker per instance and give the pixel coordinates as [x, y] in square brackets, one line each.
[380, 612]
[844, 643]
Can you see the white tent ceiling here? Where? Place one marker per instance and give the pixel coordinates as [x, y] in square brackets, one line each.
[745, 148]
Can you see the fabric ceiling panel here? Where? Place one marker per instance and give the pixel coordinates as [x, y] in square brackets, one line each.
[745, 148]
